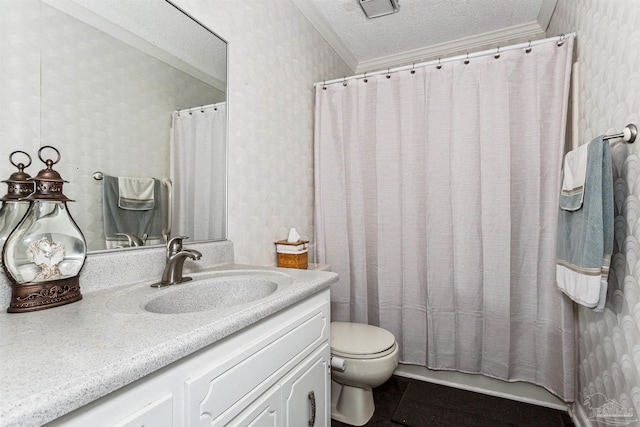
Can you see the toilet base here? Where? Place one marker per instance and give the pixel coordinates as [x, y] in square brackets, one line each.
[351, 405]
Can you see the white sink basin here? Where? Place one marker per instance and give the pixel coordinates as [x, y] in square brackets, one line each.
[217, 290]
[212, 294]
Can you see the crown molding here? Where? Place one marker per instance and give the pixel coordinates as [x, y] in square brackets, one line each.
[310, 12]
[531, 30]
[189, 61]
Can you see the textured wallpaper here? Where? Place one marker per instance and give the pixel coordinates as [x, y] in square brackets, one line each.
[275, 55]
[608, 53]
[19, 82]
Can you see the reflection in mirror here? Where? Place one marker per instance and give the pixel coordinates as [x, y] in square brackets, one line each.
[133, 89]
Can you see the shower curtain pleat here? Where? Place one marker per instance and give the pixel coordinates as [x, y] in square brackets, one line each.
[436, 203]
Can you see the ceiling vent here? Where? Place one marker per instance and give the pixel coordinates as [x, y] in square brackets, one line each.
[376, 8]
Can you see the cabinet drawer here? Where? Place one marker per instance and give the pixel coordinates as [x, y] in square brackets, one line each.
[158, 413]
[226, 389]
[266, 412]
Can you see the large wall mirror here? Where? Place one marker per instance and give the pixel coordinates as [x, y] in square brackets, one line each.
[133, 95]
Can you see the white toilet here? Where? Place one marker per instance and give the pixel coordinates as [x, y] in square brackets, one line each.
[369, 355]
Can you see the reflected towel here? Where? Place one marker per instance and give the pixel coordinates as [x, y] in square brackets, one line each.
[585, 235]
[118, 220]
[136, 194]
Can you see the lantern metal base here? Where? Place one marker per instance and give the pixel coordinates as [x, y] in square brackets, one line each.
[40, 296]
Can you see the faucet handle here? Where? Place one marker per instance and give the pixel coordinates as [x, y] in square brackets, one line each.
[175, 245]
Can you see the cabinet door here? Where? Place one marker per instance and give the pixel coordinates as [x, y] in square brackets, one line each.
[220, 391]
[306, 392]
[265, 412]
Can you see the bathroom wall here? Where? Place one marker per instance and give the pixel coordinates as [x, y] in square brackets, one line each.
[608, 53]
[275, 55]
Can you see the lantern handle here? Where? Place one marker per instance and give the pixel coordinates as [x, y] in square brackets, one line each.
[20, 166]
[48, 162]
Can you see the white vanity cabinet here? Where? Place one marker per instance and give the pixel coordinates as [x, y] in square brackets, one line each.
[300, 399]
[272, 373]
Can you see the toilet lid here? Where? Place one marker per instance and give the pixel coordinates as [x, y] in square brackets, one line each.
[359, 340]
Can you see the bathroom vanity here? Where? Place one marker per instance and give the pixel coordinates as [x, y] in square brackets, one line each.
[273, 373]
[121, 358]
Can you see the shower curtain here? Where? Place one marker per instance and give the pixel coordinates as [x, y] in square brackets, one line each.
[198, 158]
[436, 203]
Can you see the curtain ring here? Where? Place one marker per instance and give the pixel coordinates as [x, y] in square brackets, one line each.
[344, 81]
[439, 64]
[528, 49]
[324, 85]
[561, 41]
[466, 61]
[413, 68]
[388, 73]
[365, 77]
[497, 55]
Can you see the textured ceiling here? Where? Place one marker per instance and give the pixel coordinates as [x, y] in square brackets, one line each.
[424, 29]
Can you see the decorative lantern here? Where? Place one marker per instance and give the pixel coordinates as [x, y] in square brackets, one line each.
[44, 254]
[13, 209]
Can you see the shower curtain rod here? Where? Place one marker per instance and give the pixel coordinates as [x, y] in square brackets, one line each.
[201, 108]
[438, 62]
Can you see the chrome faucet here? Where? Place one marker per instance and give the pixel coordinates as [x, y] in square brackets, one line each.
[176, 256]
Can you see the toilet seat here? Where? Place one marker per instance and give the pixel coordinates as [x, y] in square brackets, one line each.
[360, 341]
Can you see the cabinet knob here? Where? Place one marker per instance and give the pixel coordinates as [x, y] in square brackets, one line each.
[312, 399]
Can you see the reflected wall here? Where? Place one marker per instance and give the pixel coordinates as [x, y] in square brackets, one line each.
[105, 105]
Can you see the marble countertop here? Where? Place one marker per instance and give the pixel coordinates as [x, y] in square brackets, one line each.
[57, 360]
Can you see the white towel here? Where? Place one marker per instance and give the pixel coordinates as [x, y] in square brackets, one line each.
[574, 173]
[585, 235]
[136, 194]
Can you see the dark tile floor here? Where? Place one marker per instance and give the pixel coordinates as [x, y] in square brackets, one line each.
[388, 396]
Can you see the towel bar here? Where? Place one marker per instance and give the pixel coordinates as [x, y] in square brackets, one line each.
[628, 134]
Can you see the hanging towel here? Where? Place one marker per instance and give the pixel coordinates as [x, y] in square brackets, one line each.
[117, 220]
[136, 194]
[585, 235]
[574, 172]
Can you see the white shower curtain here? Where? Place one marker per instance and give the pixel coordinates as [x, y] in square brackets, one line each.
[198, 171]
[436, 203]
